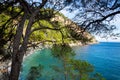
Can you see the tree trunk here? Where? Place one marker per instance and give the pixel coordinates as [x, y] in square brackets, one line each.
[19, 51]
[16, 66]
[17, 54]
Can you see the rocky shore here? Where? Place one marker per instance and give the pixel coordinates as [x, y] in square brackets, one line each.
[5, 69]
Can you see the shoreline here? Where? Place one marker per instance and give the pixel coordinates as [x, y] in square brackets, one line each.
[31, 50]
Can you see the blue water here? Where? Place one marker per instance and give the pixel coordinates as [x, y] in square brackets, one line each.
[105, 57]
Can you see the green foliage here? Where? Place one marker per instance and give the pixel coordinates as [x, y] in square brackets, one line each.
[8, 23]
[54, 36]
[64, 34]
[79, 36]
[6, 29]
[43, 35]
[35, 72]
[62, 50]
[82, 66]
[3, 18]
[98, 76]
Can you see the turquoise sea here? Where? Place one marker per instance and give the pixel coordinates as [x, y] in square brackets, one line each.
[105, 57]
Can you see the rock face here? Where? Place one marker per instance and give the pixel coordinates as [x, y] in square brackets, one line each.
[76, 32]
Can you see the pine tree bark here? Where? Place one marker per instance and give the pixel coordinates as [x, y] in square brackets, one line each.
[20, 50]
[17, 55]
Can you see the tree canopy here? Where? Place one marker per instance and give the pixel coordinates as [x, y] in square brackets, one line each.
[95, 15]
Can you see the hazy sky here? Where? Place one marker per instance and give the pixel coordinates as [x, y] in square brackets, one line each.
[116, 22]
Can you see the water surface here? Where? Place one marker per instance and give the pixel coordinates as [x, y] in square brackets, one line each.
[105, 57]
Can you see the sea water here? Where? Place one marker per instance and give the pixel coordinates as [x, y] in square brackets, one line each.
[105, 57]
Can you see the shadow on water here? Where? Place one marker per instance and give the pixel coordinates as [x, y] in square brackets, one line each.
[57, 63]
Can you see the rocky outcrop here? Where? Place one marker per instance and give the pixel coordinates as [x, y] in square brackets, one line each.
[76, 32]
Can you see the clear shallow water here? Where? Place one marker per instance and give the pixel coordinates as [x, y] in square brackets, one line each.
[42, 57]
[104, 56]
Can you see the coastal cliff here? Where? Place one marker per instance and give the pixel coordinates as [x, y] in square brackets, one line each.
[60, 29]
[75, 31]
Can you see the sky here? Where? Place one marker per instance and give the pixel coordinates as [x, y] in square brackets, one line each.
[115, 22]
